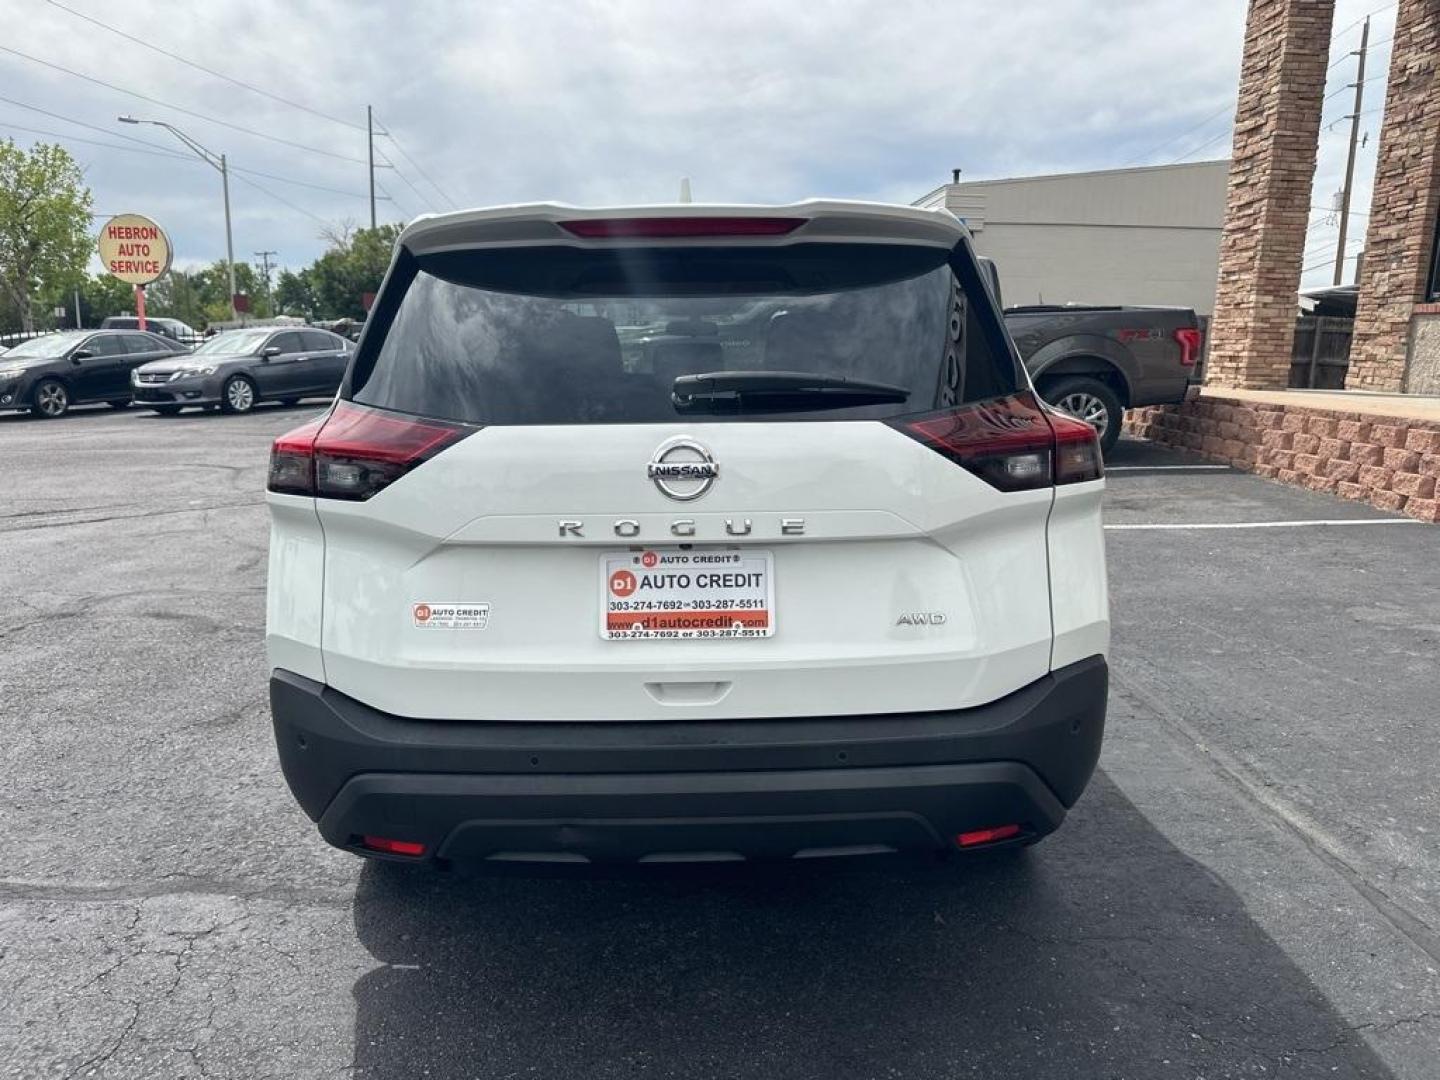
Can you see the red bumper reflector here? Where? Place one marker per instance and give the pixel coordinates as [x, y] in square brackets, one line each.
[660, 228]
[987, 836]
[392, 847]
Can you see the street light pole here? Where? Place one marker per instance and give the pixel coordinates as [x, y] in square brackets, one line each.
[229, 243]
[217, 162]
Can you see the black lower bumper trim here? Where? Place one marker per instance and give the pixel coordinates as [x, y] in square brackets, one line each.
[658, 791]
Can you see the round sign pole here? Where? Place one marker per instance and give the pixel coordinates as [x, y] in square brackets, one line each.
[137, 251]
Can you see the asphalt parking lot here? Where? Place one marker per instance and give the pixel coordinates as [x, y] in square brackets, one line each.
[1251, 886]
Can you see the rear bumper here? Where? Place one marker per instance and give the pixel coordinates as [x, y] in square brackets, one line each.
[686, 791]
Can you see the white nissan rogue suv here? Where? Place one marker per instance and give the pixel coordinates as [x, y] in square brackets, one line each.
[686, 533]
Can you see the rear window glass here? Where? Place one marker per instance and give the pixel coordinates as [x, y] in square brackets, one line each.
[575, 336]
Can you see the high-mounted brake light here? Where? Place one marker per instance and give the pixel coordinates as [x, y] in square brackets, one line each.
[1012, 443]
[670, 227]
[356, 451]
[1189, 340]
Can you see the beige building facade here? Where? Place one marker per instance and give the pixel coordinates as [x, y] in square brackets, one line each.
[1147, 235]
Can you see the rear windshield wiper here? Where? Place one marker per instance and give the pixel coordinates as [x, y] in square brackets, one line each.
[778, 391]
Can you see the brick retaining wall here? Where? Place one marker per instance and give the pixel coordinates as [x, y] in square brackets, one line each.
[1390, 462]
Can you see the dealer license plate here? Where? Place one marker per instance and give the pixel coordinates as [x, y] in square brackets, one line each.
[669, 593]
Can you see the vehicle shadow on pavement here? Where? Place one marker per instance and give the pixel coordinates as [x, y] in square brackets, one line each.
[1104, 952]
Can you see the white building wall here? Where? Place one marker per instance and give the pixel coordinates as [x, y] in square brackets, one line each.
[1124, 236]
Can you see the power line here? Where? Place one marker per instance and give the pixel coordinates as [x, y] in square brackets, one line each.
[1383, 7]
[385, 130]
[298, 183]
[264, 93]
[281, 199]
[240, 174]
[261, 91]
[393, 200]
[93, 127]
[201, 67]
[155, 148]
[1176, 138]
[1231, 107]
[424, 199]
[180, 108]
[1223, 134]
[1327, 262]
[96, 142]
[1196, 149]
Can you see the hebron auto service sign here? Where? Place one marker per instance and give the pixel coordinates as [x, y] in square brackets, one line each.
[134, 249]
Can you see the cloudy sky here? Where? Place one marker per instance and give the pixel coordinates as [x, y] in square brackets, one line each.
[597, 101]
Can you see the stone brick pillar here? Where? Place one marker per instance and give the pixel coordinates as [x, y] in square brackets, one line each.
[1398, 241]
[1272, 168]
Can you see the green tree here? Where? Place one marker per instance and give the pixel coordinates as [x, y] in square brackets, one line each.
[100, 295]
[44, 224]
[354, 266]
[294, 294]
[177, 295]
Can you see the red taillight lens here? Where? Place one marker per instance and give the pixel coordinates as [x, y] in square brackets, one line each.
[666, 228]
[292, 460]
[1077, 449]
[356, 451]
[392, 847]
[1189, 339]
[1012, 443]
[988, 836]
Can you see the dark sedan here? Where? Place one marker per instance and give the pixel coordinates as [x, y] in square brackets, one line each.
[49, 374]
[238, 368]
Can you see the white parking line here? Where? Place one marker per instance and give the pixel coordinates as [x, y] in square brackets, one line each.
[1162, 468]
[1265, 524]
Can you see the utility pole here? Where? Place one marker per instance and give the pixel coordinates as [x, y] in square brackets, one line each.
[1350, 161]
[370, 141]
[264, 257]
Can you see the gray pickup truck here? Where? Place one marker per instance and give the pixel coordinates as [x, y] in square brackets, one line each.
[1095, 362]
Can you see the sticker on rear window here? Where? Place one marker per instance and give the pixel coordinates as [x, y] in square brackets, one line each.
[451, 616]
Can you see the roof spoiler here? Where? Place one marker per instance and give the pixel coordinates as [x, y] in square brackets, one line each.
[821, 220]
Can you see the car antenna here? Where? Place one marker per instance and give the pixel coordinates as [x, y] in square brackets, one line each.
[685, 189]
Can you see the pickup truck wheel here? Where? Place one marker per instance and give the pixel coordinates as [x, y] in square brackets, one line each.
[1089, 400]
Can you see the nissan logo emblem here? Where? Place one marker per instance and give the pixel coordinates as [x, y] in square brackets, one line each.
[682, 468]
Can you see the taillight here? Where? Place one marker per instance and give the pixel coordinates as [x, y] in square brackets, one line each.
[1077, 449]
[665, 228]
[356, 451]
[1012, 443]
[1188, 338]
[292, 460]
